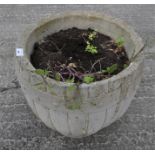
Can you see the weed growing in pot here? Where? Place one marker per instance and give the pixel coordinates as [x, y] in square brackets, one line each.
[90, 47]
[88, 79]
[70, 80]
[111, 69]
[57, 76]
[120, 42]
[42, 72]
[92, 35]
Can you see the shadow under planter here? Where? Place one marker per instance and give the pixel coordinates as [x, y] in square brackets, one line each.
[101, 102]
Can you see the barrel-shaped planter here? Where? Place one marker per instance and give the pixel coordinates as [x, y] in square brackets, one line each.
[100, 103]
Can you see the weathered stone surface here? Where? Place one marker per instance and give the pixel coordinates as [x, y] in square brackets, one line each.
[135, 130]
[54, 97]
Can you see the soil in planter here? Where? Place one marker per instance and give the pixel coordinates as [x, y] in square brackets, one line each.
[64, 55]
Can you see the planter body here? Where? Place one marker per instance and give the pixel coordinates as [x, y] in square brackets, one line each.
[102, 102]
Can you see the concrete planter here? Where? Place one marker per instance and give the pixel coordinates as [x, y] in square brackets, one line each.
[100, 103]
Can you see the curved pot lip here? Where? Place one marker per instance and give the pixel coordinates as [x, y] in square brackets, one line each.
[23, 37]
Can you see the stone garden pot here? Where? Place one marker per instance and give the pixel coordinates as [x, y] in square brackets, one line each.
[101, 102]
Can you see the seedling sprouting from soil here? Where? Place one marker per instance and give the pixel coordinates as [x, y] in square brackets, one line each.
[57, 76]
[111, 69]
[90, 47]
[88, 79]
[92, 36]
[42, 72]
[70, 80]
[120, 42]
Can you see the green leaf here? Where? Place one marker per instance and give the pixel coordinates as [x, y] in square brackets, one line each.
[91, 49]
[73, 106]
[57, 76]
[112, 68]
[70, 80]
[88, 43]
[88, 79]
[92, 35]
[120, 41]
[41, 72]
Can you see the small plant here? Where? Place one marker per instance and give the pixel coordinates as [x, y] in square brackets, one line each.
[111, 69]
[120, 42]
[57, 76]
[70, 80]
[42, 72]
[92, 35]
[88, 79]
[90, 47]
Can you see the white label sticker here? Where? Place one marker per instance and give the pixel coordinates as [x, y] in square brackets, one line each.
[19, 52]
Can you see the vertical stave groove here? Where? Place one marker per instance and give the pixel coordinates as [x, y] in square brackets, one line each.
[87, 124]
[49, 113]
[68, 124]
[105, 119]
[34, 108]
[50, 120]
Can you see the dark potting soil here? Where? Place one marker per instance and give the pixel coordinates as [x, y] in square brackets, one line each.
[64, 53]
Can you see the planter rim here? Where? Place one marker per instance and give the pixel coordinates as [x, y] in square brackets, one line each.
[23, 37]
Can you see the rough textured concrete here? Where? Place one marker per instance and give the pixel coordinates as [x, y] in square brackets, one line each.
[101, 103]
[20, 129]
